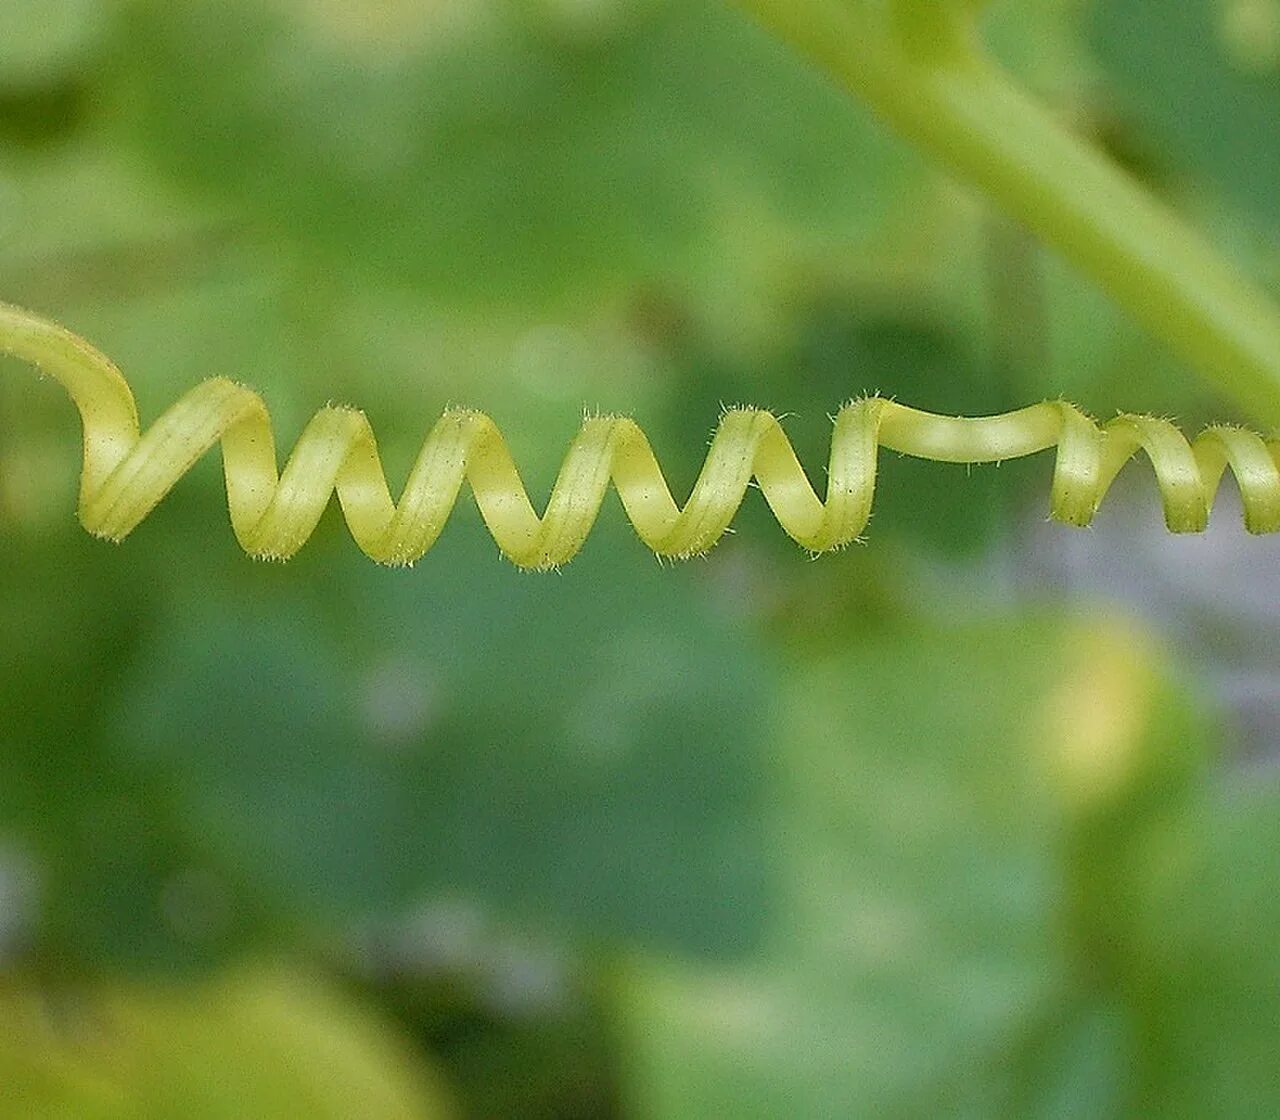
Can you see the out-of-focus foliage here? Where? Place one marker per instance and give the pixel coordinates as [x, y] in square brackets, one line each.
[750, 836]
[1202, 80]
[256, 1042]
[953, 860]
[552, 784]
[1202, 971]
[496, 150]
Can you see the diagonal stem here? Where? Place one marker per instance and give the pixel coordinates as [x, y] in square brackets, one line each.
[917, 65]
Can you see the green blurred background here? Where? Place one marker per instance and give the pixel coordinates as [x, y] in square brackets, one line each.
[979, 819]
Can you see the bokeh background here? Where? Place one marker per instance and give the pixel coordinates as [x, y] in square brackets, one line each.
[977, 819]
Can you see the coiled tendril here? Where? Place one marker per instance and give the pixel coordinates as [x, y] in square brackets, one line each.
[126, 471]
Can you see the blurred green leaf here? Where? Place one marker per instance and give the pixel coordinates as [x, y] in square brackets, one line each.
[1201, 79]
[258, 1042]
[926, 961]
[119, 878]
[1041, 42]
[261, 746]
[596, 747]
[470, 148]
[1204, 977]
[42, 41]
[578, 751]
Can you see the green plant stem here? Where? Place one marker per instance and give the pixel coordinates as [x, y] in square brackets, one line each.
[916, 63]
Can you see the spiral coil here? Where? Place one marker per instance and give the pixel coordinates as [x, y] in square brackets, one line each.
[127, 471]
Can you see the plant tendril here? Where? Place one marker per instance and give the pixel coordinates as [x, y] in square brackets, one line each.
[126, 471]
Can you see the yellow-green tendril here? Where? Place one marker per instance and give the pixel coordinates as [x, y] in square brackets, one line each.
[126, 471]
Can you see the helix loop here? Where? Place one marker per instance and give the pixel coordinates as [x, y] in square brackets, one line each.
[273, 512]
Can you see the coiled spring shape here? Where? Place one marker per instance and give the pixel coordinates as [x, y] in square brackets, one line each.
[127, 471]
